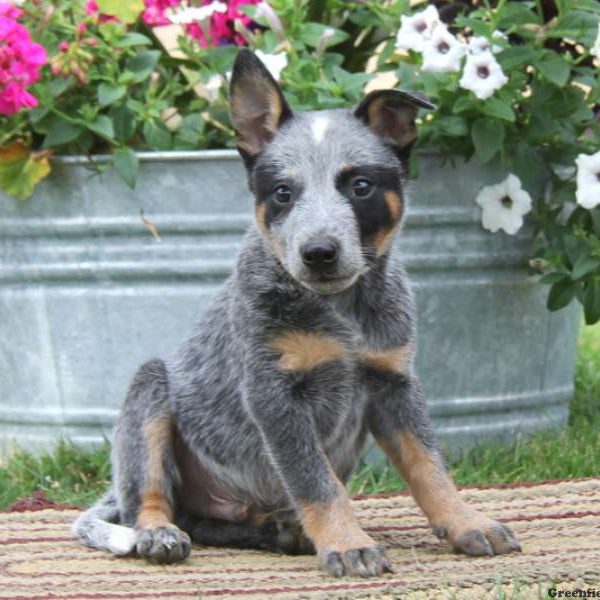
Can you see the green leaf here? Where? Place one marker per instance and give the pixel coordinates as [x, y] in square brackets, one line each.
[453, 126]
[575, 24]
[57, 86]
[596, 221]
[61, 132]
[124, 122]
[585, 264]
[21, 170]
[463, 104]
[133, 39]
[125, 10]
[157, 135]
[109, 93]
[553, 277]
[142, 64]
[311, 33]
[575, 248]
[554, 68]
[487, 136]
[530, 168]
[494, 107]
[516, 56]
[591, 301]
[127, 165]
[103, 126]
[561, 293]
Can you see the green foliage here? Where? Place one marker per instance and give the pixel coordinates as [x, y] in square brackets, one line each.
[65, 475]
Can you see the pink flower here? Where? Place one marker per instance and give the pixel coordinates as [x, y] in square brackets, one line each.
[222, 25]
[9, 10]
[20, 62]
[154, 14]
[91, 7]
[81, 28]
[63, 46]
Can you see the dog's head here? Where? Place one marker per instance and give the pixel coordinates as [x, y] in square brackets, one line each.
[328, 184]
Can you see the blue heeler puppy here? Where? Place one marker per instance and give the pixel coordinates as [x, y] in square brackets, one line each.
[248, 435]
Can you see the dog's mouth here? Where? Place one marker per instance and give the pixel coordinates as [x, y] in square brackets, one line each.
[326, 284]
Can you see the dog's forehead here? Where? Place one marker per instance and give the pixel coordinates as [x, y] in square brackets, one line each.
[325, 141]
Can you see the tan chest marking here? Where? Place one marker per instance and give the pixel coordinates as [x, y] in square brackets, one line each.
[303, 351]
[391, 360]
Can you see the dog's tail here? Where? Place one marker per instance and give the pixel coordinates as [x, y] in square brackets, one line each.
[98, 527]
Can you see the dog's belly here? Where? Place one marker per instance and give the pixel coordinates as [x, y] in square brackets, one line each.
[245, 487]
[209, 490]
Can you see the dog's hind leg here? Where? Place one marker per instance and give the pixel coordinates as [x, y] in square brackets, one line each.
[144, 468]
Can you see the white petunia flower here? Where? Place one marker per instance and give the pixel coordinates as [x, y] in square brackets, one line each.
[504, 205]
[596, 47]
[482, 75]
[191, 14]
[275, 63]
[212, 87]
[479, 44]
[588, 180]
[416, 30]
[443, 52]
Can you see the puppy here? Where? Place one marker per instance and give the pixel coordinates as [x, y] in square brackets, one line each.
[248, 434]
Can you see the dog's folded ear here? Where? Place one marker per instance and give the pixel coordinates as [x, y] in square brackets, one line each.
[391, 115]
[258, 107]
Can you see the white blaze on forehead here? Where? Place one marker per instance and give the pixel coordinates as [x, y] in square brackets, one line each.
[319, 127]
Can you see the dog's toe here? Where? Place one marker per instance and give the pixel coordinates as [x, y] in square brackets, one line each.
[492, 538]
[163, 545]
[358, 562]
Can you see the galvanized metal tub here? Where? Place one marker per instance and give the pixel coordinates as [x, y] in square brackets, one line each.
[87, 294]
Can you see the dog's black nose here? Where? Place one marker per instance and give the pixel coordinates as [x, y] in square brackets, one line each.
[320, 255]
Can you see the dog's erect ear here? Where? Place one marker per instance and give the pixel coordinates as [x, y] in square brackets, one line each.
[258, 107]
[391, 115]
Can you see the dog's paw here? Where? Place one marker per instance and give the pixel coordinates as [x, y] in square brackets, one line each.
[480, 536]
[163, 544]
[357, 562]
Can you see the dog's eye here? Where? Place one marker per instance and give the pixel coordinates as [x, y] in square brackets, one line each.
[362, 187]
[283, 194]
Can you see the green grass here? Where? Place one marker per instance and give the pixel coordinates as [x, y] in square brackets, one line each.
[72, 476]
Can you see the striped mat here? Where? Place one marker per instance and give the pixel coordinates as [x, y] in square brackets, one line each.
[558, 524]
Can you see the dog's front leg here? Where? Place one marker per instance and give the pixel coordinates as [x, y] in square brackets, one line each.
[289, 435]
[398, 419]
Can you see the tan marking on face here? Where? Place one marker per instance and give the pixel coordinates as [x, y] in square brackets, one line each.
[155, 510]
[303, 351]
[261, 209]
[384, 238]
[332, 526]
[432, 488]
[394, 204]
[393, 360]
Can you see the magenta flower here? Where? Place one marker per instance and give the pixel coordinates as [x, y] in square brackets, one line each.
[222, 25]
[20, 62]
[154, 14]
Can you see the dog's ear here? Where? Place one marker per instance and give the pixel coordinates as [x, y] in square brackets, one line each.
[258, 107]
[391, 115]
